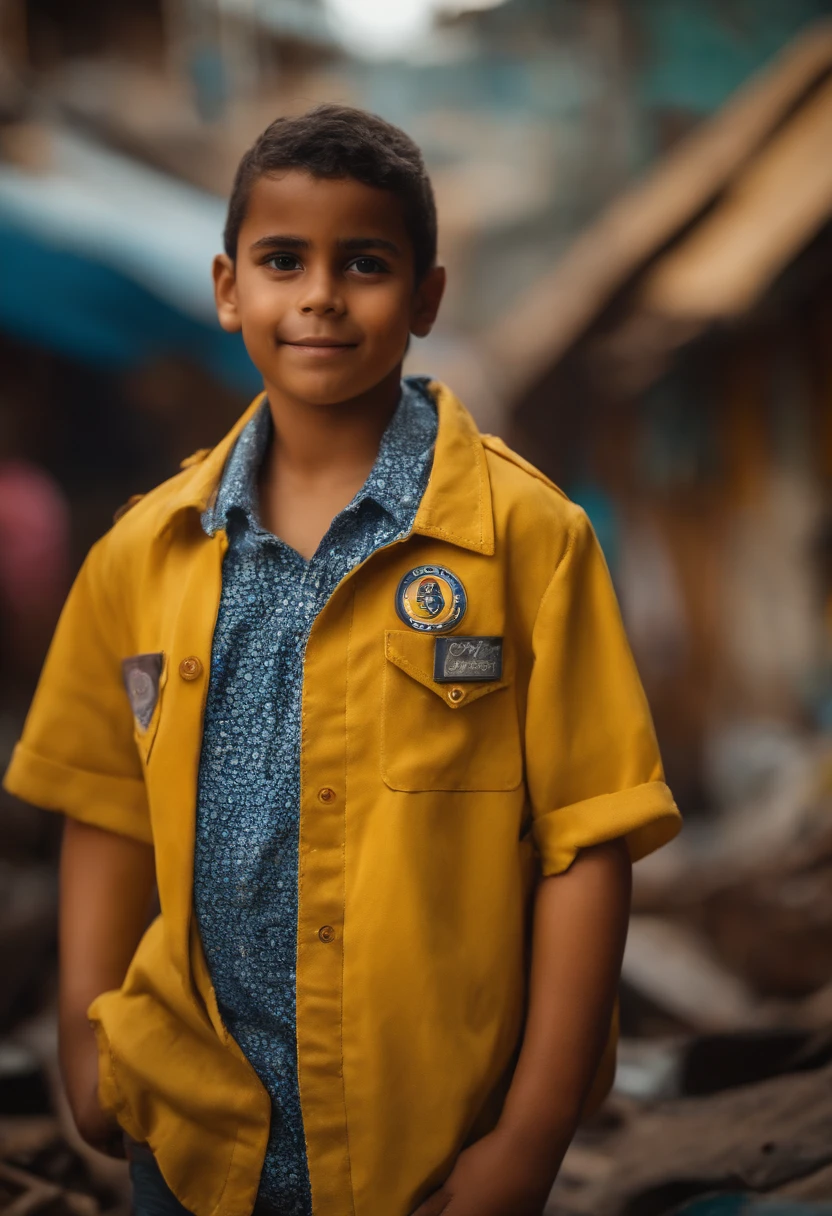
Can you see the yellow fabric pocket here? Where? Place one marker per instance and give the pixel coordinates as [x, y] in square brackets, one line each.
[436, 736]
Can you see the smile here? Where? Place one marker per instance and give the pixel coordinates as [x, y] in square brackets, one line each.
[320, 347]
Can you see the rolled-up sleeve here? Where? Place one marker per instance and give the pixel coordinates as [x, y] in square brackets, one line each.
[592, 762]
[77, 753]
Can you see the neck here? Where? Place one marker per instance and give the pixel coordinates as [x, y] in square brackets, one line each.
[319, 460]
[314, 440]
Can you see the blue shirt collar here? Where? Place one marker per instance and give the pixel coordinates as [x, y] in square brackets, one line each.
[403, 461]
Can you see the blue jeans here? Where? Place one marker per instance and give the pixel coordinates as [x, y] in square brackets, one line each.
[151, 1194]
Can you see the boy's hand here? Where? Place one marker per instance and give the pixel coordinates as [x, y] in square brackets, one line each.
[96, 1128]
[499, 1175]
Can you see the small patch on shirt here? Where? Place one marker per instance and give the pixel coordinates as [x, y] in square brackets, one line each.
[141, 674]
[431, 599]
[459, 658]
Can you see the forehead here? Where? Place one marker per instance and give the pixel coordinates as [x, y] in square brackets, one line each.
[322, 209]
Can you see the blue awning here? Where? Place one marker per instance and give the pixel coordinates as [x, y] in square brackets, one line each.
[109, 262]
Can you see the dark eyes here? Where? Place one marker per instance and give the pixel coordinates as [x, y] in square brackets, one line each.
[368, 266]
[283, 261]
[288, 262]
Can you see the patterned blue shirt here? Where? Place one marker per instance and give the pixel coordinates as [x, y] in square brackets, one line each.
[248, 807]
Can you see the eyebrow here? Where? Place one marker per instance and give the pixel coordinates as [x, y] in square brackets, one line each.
[353, 244]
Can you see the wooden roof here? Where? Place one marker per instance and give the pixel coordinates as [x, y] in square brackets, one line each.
[772, 210]
[758, 179]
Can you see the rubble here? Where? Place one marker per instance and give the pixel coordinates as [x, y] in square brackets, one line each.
[758, 1137]
[45, 1168]
[723, 1096]
[41, 1174]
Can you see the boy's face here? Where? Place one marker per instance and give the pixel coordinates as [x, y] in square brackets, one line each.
[323, 287]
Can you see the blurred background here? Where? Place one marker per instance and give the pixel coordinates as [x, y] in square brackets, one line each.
[635, 202]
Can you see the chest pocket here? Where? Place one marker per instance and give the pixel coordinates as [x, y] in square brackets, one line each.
[145, 676]
[444, 736]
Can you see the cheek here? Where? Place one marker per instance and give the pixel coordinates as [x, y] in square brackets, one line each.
[262, 303]
[384, 315]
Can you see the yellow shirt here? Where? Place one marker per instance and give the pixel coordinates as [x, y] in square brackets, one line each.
[427, 809]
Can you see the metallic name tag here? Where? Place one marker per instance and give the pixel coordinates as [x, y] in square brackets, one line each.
[141, 674]
[457, 659]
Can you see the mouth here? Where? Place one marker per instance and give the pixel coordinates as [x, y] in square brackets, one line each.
[320, 346]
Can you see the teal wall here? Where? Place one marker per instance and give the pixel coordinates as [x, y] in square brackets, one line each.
[696, 52]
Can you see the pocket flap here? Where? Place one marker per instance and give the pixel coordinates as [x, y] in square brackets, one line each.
[413, 653]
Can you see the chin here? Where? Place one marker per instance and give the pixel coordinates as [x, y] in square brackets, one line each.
[322, 389]
[319, 390]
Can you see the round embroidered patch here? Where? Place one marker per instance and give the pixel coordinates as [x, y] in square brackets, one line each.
[431, 599]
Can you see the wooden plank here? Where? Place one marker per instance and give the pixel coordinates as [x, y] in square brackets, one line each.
[760, 1139]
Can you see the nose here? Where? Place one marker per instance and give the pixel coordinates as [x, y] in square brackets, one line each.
[321, 295]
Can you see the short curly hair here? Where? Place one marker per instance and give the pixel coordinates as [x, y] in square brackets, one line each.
[335, 141]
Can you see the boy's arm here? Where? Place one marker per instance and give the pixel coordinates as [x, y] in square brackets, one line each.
[580, 926]
[107, 882]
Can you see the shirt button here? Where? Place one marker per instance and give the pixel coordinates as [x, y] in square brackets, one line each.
[455, 695]
[326, 933]
[190, 668]
[326, 794]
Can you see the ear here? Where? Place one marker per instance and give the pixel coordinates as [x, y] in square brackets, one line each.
[225, 293]
[426, 302]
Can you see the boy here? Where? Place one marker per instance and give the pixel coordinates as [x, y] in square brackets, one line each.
[352, 690]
